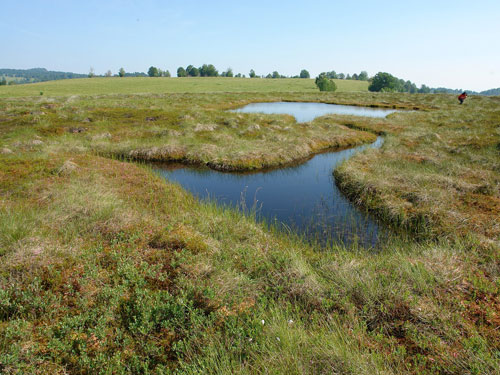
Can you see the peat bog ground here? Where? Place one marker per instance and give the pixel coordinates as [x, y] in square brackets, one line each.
[107, 268]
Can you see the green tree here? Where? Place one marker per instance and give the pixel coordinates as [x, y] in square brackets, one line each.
[121, 72]
[192, 71]
[252, 73]
[424, 89]
[167, 74]
[181, 72]
[304, 74]
[3, 82]
[331, 75]
[153, 71]
[208, 71]
[410, 87]
[384, 82]
[229, 72]
[276, 74]
[203, 70]
[363, 76]
[341, 76]
[91, 72]
[324, 83]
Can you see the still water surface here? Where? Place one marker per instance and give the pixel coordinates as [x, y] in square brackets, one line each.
[303, 198]
[305, 112]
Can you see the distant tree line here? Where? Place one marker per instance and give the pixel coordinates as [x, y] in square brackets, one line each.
[362, 76]
[209, 70]
[386, 82]
[134, 74]
[490, 92]
[206, 70]
[274, 75]
[153, 71]
[37, 75]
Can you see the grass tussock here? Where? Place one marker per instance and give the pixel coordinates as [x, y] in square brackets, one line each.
[108, 269]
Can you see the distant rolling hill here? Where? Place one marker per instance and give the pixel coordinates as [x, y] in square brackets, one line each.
[34, 75]
[160, 85]
[37, 75]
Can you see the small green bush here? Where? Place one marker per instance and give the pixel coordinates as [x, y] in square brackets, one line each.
[325, 84]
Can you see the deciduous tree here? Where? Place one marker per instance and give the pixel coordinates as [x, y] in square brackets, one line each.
[153, 71]
[192, 71]
[181, 72]
[363, 76]
[384, 82]
[208, 71]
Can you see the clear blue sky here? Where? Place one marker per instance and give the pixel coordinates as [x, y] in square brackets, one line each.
[453, 44]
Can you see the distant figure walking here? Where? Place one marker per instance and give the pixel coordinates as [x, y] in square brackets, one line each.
[462, 97]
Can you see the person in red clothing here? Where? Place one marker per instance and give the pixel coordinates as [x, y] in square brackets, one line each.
[462, 97]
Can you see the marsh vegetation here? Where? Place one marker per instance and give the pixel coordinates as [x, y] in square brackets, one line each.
[107, 268]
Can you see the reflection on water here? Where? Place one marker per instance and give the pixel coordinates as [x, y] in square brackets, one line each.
[303, 198]
[305, 112]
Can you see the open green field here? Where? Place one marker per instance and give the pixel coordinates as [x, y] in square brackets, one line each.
[147, 85]
[106, 268]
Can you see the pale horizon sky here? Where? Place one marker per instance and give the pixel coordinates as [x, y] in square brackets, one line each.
[452, 44]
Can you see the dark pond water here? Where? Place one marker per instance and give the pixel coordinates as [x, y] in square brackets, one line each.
[302, 198]
[305, 112]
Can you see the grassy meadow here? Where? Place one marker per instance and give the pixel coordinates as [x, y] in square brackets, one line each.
[148, 85]
[108, 269]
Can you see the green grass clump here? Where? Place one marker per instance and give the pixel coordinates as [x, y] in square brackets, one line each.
[106, 268]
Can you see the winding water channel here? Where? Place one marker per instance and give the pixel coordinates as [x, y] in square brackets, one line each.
[302, 198]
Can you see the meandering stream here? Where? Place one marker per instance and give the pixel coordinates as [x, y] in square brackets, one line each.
[302, 198]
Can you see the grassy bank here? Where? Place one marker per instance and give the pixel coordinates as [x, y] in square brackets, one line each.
[438, 172]
[148, 85]
[106, 268]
